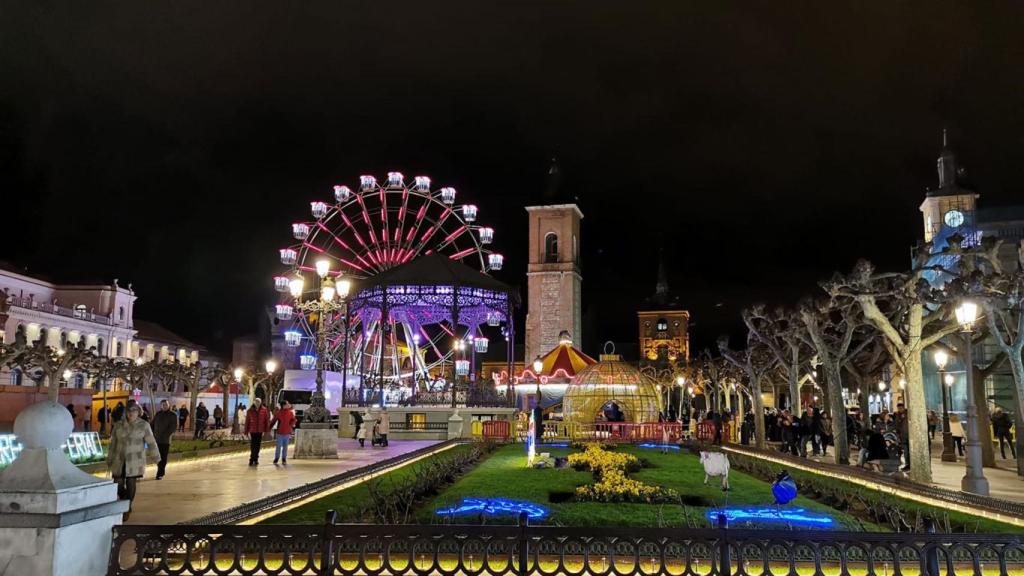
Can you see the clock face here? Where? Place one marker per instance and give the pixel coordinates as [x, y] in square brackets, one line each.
[954, 218]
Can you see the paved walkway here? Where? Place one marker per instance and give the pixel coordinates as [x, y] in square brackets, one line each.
[195, 488]
[1003, 480]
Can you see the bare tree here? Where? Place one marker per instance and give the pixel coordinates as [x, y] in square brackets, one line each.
[830, 328]
[755, 362]
[45, 365]
[911, 316]
[780, 332]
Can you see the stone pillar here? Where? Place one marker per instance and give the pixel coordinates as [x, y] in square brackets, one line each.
[316, 442]
[55, 520]
[455, 425]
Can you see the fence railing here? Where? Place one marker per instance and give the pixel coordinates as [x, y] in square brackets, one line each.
[348, 549]
[52, 308]
[419, 426]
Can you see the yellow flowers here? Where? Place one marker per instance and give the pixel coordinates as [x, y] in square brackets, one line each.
[612, 483]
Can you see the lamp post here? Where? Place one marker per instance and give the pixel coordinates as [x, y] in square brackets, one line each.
[681, 383]
[538, 366]
[238, 374]
[941, 359]
[459, 364]
[331, 299]
[974, 480]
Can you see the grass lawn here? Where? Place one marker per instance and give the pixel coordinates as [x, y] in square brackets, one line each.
[505, 474]
[347, 503]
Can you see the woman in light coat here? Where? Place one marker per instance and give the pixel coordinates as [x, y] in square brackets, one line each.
[131, 440]
[368, 422]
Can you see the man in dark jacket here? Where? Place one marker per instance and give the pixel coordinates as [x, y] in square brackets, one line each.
[257, 423]
[164, 424]
[200, 418]
[118, 413]
[1002, 427]
[903, 429]
[182, 417]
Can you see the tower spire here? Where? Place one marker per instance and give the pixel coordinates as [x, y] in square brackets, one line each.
[946, 164]
[661, 288]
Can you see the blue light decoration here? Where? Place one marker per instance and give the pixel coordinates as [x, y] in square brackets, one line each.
[773, 515]
[555, 445]
[784, 488]
[659, 446]
[495, 507]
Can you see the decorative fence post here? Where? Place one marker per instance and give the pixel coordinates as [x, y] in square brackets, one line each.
[327, 544]
[931, 552]
[724, 562]
[524, 544]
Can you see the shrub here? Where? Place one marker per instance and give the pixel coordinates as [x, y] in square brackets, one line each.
[610, 469]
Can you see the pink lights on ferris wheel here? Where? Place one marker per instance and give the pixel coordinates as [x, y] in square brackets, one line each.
[486, 235]
[342, 193]
[300, 230]
[395, 179]
[281, 283]
[469, 212]
[367, 183]
[495, 261]
[448, 195]
[422, 184]
[288, 256]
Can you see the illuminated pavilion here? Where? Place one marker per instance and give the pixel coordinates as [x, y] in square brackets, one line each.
[611, 391]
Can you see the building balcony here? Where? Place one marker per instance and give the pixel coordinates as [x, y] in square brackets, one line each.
[77, 313]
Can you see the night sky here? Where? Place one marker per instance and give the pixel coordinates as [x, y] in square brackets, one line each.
[764, 145]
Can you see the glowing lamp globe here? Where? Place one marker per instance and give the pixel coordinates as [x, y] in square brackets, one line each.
[343, 286]
[469, 212]
[495, 261]
[292, 338]
[271, 366]
[300, 230]
[966, 314]
[395, 179]
[367, 183]
[322, 268]
[342, 193]
[538, 365]
[296, 286]
[481, 343]
[941, 359]
[283, 311]
[448, 195]
[318, 209]
[949, 379]
[327, 290]
[422, 183]
[239, 373]
[288, 256]
[281, 283]
[486, 235]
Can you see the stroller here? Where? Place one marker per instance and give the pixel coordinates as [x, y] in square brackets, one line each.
[376, 439]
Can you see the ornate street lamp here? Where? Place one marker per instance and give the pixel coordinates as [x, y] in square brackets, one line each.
[941, 360]
[332, 295]
[974, 480]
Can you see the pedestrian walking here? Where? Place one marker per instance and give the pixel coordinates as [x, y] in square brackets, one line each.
[1002, 429]
[357, 418]
[182, 417]
[257, 423]
[200, 418]
[933, 424]
[131, 440]
[118, 414]
[102, 416]
[284, 417]
[903, 430]
[384, 426]
[87, 418]
[218, 416]
[365, 423]
[164, 424]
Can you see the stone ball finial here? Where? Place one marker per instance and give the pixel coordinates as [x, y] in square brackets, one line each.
[44, 425]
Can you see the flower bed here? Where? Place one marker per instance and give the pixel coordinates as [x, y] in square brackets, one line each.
[612, 484]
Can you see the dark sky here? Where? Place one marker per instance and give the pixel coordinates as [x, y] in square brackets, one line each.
[765, 145]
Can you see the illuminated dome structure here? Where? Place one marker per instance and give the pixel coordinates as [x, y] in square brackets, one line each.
[611, 391]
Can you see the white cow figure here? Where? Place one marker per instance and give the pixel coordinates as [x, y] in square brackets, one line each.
[716, 464]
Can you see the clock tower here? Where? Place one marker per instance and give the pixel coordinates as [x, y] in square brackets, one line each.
[950, 205]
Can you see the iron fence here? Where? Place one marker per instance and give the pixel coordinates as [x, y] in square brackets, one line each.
[350, 549]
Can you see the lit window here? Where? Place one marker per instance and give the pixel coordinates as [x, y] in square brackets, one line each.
[120, 313]
[662, 325]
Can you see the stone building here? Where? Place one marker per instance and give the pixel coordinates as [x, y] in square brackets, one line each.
[554, 280]
[663, 326]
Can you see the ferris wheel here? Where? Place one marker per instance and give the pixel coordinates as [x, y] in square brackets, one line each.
[364, 233]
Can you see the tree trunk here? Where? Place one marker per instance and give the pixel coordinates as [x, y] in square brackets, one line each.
[233, 412]
[759, 432]
[1017, 367]
[834, 398]
[794, 379]
[920, 457]
[52, 388]
[988, 453]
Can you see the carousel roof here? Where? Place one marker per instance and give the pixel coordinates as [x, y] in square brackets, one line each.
[565, 357]
[609, 372]
[438, 270]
